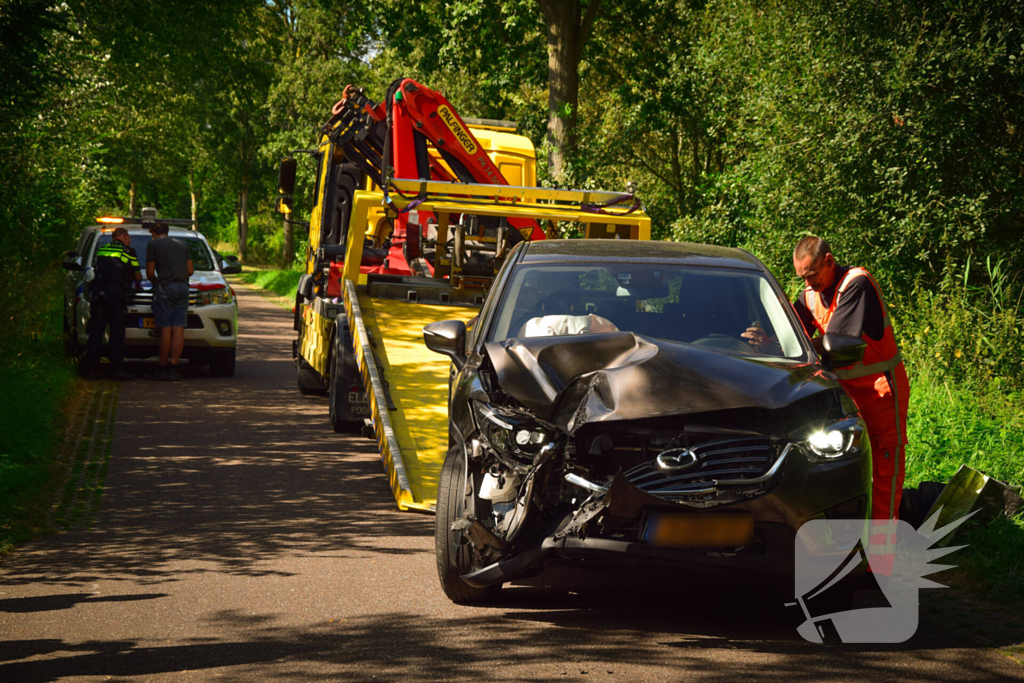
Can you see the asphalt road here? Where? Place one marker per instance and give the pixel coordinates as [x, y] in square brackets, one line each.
[238, 538]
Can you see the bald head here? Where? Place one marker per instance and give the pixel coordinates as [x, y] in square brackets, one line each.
[814, 263]
[812, 246]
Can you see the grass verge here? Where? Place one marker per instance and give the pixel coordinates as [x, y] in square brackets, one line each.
[954, 424]
[39, 386]
[277, 286]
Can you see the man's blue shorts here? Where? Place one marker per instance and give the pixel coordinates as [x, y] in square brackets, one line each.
[170, 305]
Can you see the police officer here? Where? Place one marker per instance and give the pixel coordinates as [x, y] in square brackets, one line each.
[115, 268]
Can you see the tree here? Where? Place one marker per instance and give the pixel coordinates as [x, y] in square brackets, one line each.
[568, 28]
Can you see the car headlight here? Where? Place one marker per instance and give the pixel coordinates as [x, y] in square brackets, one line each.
[840, 440]
[214, 296]
[510, 432]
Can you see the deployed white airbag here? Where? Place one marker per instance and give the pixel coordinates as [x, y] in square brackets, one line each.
[562, 325]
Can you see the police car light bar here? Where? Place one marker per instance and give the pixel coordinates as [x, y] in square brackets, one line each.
[122, 219]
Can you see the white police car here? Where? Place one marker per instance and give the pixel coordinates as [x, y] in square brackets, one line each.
[211, 328]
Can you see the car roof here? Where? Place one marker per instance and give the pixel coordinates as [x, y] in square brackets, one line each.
[634, 251]
[137, 229]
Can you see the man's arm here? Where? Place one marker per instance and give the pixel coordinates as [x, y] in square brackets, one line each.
[805, 315]
[150, 262]
[133, 261]
[190, 268]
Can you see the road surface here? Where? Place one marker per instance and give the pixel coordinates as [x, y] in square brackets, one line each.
[238, 538]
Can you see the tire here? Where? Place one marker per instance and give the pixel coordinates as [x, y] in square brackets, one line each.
[309, 380]
[343, 376]
[451, 504]
[222, 362]
[70, 336]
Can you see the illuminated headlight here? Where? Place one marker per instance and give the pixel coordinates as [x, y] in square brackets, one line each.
[214, 296]
[842, 439]
[509, 432]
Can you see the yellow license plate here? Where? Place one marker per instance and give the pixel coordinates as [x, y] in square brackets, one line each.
[699, 530]
[148, 323]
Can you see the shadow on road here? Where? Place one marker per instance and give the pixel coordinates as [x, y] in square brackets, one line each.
[606, 632]
[228, 473]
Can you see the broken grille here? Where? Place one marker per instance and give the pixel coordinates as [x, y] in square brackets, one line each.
[681, 472]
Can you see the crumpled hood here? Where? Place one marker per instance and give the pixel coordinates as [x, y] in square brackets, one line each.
[571, 381]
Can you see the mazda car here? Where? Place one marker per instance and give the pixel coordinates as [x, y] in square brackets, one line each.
[606, 406]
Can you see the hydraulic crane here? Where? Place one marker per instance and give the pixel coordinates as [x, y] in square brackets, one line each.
[413, 218]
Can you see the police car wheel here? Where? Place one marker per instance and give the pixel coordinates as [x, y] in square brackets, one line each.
[222, 362]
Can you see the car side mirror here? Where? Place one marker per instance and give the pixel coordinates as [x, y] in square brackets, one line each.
[231, 257]
[230, 267]
[72, 261]
[447, 337]
[840, 351]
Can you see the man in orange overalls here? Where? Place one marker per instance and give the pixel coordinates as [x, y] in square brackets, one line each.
[847, 301]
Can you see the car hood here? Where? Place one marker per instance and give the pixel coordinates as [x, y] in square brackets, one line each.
[572, 381]
[201, 279]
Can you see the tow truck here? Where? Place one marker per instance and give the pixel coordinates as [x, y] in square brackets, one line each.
[413, 218]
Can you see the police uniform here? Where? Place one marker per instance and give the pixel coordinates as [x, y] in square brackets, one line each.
[853, 306]
[114, 268]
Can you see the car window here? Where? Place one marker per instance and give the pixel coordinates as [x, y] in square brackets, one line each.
[200, 254]
[705, 307]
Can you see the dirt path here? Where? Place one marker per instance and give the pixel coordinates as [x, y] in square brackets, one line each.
[238, 538]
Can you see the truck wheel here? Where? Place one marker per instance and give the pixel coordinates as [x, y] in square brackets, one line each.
[453, 551]
[344, 375]
[70, 337]
[222, 362]
[309, 380]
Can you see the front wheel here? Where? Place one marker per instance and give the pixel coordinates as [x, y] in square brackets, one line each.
[452, 549]
[222, 362]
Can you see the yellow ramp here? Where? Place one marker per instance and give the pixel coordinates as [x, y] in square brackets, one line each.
[416, 379]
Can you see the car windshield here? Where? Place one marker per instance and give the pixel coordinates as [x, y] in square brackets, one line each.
[201, 258]
[705, 307]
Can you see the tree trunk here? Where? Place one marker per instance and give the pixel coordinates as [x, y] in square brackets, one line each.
[243, 218]
[568, 30]
[131, 200]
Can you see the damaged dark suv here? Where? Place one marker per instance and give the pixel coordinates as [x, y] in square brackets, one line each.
[605, 405]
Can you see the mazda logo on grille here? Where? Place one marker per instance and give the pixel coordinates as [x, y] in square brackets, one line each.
[677, 459]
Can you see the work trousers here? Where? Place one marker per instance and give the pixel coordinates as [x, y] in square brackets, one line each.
[107, 307]
[883, 403]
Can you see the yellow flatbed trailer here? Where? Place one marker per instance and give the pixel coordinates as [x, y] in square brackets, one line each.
[406, 384]
[412, 432]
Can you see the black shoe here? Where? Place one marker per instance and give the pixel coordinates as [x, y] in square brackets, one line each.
[122, 376]
[161, 375]
[172, 375]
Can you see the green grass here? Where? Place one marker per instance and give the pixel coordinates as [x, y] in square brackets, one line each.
[280, 282]
[37, 381]
[951, 424]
